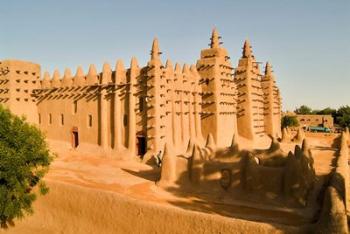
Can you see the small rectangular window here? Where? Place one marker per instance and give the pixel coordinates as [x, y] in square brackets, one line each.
[39, 118]
[62, 119]
[50, 119]
[90, 121]
[75, 106]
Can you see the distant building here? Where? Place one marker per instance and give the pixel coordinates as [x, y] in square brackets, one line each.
[305, 121]
[316, 121]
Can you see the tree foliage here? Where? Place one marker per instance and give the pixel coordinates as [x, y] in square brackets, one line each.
[326, 111]
[303, 110]
[289, 121]
[343, 116]
[24, 159]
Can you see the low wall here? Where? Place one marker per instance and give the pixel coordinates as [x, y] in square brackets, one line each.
[333, 218]
[74, 209]
[264, 179]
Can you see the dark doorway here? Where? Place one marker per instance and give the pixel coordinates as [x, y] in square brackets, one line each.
[141, 145]
[75, 137]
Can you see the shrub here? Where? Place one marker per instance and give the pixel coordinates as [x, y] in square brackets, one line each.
[24, 160]
[289, 121]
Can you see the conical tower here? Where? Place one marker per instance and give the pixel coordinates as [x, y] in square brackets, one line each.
[218, 92]
[272, 105]
[169, 104]
[155, 102]
[134, 73]
[250, 97]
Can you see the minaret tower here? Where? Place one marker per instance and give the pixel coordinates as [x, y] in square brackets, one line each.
[250, 99]
[155, 100]
[218, 92]
[272, 110]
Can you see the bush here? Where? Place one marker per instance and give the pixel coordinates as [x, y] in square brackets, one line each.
[289, 121]
[303, 110]
[24, 159]
[343, 116]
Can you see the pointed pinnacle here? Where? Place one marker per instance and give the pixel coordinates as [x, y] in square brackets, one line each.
[67, 73]
[194, 71]
[196, 153]
[92, 70]
[119, 65]
[185, 68]
[177, 68]
[46, 76]
[214, 39]
[106, 68]
[305, 146]
[134, 63]
[79, 72]
[268, 69]
[169, 64]
[155, 49]
[247, 51]
[56, 75]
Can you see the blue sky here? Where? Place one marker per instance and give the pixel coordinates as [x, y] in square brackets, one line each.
[307, 42]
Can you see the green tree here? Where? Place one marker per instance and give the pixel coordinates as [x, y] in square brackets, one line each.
[327, 111]
[289, 121]
[24, 159]
[303, 110]
[343, 116]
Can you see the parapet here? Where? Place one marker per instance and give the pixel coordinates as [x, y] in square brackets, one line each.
[107, 76]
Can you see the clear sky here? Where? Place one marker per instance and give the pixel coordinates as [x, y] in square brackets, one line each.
[307, 42]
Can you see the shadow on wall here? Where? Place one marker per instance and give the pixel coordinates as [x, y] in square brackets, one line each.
[335, 196]
[216, 182]
[250, 191]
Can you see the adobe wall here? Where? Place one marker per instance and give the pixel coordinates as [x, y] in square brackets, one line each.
[74, 209]
[65, 106]
[18, 81]
[100, 106]
[117, 109]
[255, 176]
[335, 206]
[292, 177]
[112, 109]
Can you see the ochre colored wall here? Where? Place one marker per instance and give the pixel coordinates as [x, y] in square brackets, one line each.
[164, 104]
[218, 93]
[19, 79]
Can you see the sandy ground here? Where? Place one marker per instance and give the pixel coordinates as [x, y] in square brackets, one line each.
[75, 180]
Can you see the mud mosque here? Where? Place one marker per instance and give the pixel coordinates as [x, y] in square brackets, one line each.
[137, 110]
